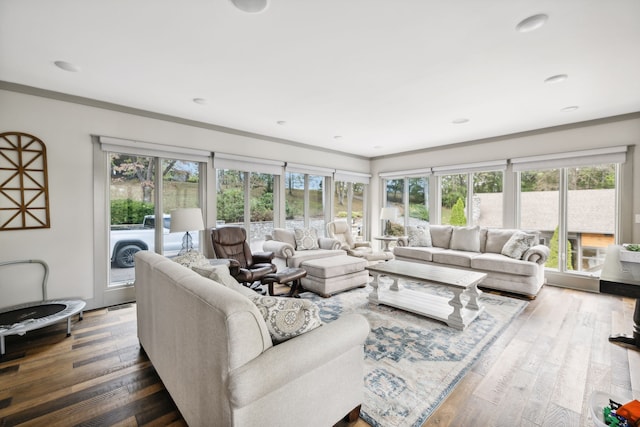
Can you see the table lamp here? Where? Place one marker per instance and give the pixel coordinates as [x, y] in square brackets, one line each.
[388, 214]
[186, 219]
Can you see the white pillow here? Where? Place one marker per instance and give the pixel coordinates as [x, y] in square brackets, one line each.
[419, 236]
[518, 244]
[287, 317]
[306, 238]
[465, 239]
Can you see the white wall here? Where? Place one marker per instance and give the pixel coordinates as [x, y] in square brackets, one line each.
[624, 130]
[66, 130]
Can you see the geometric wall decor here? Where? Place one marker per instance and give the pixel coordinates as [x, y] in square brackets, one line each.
[24, 194]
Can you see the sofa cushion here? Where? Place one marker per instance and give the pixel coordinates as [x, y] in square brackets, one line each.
[418, 236]
[287, 317]
[418, 253]
[518, 244]
[496, 239]
[440, 235]
[455, 258]
[221, 275]
[504, 264]
[191, 258]
[306, 238]
[465, 239]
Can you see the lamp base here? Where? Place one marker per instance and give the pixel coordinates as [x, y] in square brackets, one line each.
[187, 244]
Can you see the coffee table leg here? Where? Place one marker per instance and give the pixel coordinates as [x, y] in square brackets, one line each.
[394, 286]
[474, 294]
[455, 319]
[373, 296]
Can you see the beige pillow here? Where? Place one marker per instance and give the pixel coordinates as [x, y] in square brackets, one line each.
[191, 258]
[419, 236]
[306, 238]
[466, 239]
[287, 317]
[440, 235]
[518, 244]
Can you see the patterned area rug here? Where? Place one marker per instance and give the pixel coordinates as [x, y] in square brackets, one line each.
[412, 363]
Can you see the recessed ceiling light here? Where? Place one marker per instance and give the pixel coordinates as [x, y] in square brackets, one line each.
[67, 66]
[251, 6]
[532, 23]
[569, 109]
[459, 120]
[337, 137]
[281, 122]
[200, 101]
[556, 79]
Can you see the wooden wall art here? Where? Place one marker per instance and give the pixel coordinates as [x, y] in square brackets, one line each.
[24, 194]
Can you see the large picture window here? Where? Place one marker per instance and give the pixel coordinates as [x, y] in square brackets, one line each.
[574, 205]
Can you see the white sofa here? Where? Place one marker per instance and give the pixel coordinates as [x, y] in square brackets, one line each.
[479, 249]
[212, 350]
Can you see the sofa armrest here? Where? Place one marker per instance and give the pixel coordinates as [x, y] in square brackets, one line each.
[262, 257]
[328, 243]
[290, 360]
[279, 249]
[537, 254]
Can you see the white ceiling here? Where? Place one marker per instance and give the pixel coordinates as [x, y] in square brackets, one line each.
[367, 77]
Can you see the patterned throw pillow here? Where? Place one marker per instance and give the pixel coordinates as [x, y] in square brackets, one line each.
[419, 236]
[306, 239]
[287, 317]
[191, 258]
[518, 244]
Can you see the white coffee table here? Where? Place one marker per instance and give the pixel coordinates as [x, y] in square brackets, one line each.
[456, 312]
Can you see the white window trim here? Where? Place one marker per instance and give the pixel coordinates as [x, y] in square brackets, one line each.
[247, 164]
[571, 159]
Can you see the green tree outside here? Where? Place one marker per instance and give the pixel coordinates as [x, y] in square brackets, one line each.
[457, 213]
[552, 261]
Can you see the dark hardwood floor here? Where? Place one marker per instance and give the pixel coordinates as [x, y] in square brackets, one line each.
[540, 372]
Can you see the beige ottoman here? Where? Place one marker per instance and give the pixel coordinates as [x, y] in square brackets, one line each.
[327, 276]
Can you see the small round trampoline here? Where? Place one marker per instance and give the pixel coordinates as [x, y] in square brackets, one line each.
[22, 318]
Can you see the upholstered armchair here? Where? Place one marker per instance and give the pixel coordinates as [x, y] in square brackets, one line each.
[230, 242]
[341, 231]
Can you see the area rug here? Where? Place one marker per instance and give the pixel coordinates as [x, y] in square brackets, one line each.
[412, 363]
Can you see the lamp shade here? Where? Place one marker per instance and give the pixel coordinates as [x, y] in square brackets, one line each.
[388, 213]
[186, 219]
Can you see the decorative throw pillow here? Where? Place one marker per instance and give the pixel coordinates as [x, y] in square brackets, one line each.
[287, 317]
[191, 259]
[306, 239]
[518, 244]
[419, 236]
[466, 239]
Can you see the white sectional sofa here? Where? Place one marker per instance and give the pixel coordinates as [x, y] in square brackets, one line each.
[512, 259]
[214, 352]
